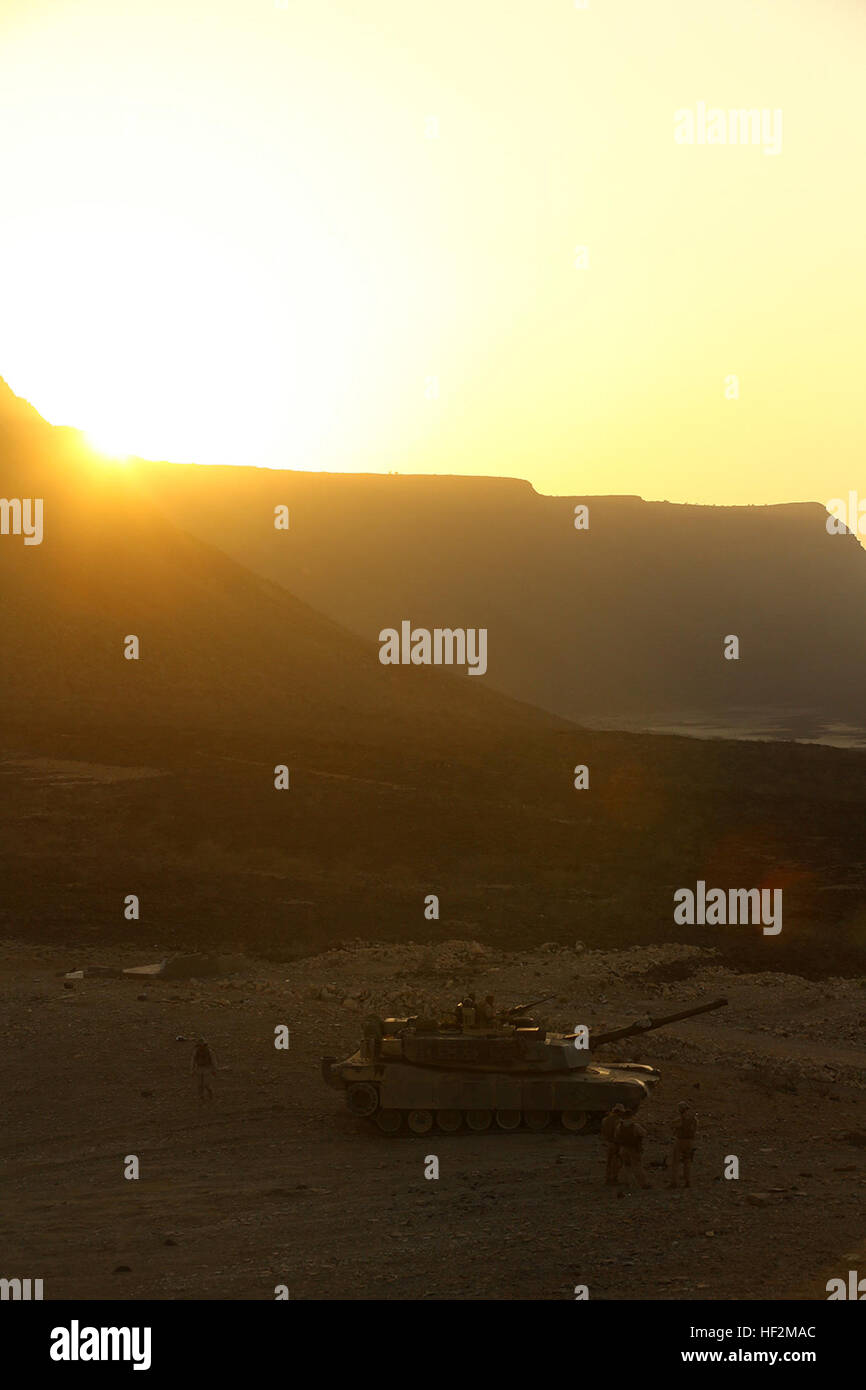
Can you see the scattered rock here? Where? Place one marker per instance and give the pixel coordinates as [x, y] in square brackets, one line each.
[190, 967]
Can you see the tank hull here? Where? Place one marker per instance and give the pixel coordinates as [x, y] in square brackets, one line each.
[403, 1089]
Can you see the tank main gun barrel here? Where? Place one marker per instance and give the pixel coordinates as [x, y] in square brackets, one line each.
[616, 1033]
[521, 1008]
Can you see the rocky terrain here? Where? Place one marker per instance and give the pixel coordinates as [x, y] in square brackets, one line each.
[275, 1183]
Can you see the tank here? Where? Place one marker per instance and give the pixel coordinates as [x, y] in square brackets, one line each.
[509, 1073]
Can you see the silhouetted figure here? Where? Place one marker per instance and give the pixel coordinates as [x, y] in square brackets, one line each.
[685, 1129]
[486, 1012]
[203, 1066]
[608, 1133]
[629, 1136]
[466, 1012]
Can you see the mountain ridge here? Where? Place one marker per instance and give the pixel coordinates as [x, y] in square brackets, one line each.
[625, 618]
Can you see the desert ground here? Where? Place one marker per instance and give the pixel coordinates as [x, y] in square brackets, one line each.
[275, 1183]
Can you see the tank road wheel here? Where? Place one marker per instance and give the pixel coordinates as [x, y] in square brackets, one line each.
[574, 1120]
[449, 1121]
[479, 1120]
[389, 1121]
[537, 1120]
[362, 1099]
[508, 1119]
[420, 1121]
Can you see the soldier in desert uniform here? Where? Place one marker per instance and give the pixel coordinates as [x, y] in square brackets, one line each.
[203, 1066]
[629, 1137]
[466, 1012]
[487, 1013]
[608, 1133]
[685, 1128]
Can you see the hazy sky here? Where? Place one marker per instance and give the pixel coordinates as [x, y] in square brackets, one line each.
[241, 231]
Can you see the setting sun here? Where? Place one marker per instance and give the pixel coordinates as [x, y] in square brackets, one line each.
[292, 236]
[169, 344]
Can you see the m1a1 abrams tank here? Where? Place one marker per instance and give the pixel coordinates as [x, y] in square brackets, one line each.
[511, 1072]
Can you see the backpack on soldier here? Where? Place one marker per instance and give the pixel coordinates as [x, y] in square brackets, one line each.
[629, 1135]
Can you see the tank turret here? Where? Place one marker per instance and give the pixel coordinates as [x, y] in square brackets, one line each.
[510, 1072]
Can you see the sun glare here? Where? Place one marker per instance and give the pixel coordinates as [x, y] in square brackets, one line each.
[294, 236]
[109, 448]
[169, 346]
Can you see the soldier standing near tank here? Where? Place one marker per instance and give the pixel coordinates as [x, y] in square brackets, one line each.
[608, 1133]
[486, 1012]
[629, 1137]
[466, 1012]
[685, 1128]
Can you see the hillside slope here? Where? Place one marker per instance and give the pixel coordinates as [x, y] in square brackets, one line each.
[156, 777]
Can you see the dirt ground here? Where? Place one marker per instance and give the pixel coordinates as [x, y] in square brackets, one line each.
[274, 1183]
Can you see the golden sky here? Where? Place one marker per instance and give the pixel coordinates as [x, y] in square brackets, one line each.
[247, 232]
